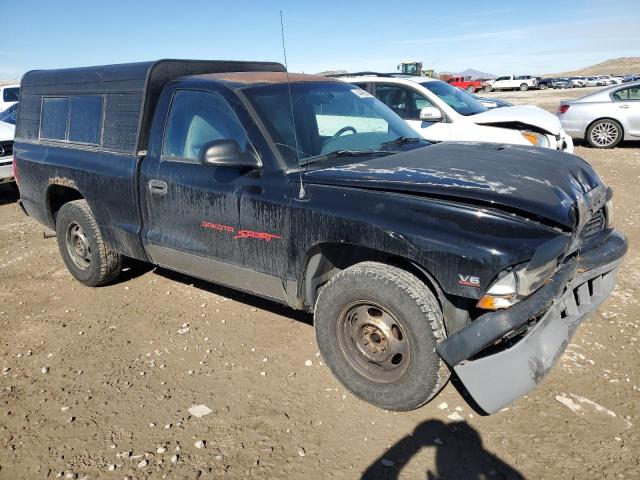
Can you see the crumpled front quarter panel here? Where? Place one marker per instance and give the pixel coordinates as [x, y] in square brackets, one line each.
[445, 238]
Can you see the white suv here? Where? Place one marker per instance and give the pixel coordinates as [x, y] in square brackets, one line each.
[9, 94]
[440, 112]
[512, 82]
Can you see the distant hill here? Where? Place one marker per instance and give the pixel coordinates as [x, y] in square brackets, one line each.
[470, 72]
[620, 65]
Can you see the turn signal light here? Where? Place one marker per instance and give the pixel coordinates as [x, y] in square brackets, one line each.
[563, 109]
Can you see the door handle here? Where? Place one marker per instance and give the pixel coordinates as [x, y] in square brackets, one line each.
[623, 106]
[158, 187]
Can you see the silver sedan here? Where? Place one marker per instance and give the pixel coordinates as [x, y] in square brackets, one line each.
[604, 118]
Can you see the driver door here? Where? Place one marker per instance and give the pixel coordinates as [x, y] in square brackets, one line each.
[223, 224]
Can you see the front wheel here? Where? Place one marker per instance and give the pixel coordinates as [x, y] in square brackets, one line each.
[543, 86]
[605, 133]
[377, 327]
[471, 89]
[524, 87]
[82, 247]
[488, 88]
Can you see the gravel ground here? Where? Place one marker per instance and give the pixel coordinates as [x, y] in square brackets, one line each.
[100, 383]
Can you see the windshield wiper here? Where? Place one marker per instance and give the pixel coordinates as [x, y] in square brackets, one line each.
[345, 153]
[402, 140]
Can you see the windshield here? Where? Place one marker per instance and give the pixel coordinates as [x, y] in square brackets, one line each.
[329, 117]
[10, 114]
[459, 100]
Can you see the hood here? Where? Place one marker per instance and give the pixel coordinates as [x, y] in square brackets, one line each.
[523, 114]
[6, 131]
[536, 183]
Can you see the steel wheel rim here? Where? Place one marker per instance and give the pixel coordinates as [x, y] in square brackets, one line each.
[604, 134]
[373, 341]
[78, 246]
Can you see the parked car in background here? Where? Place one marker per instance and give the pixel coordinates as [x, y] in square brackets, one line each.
[439, 112]
[7, 131]
[511, 82]
[611, 80]
[631, 78]
[562, 82]
[604, 118]
[577, 82]
[9, 94]
[544, 83]
[595, 82]
[466, 83]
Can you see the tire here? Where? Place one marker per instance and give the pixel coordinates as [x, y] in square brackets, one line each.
[604, 133]
[543, 86]
[379, 309]
[82, 247]
[524, 87]
[488, 88]
[471, 89]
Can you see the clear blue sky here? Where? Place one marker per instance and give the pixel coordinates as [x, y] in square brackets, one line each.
[503, 37]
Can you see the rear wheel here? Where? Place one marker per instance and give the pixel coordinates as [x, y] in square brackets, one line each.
[524, 87]
[377, 327]
[82, 246]
[605, 133]
[543, 86]
[471, 89]
[488, 88]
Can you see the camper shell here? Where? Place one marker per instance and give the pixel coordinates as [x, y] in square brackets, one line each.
[129, 94]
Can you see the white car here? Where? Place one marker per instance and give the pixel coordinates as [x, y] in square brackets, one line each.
[595, 82]
[9, 94]
[6, 152]
[611, 80]
[512, 82]
[440, 112]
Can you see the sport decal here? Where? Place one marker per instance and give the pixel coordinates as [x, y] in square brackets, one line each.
[240, 234]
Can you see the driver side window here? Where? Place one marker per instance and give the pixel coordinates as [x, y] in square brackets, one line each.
[403, 101]
[195, 119]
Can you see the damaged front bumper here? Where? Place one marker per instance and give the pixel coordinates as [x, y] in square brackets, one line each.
[503, 355]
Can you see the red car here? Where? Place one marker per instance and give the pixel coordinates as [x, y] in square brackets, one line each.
[466, 83]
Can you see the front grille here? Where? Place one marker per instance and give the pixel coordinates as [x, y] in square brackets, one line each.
[595, 224]
[6, 148]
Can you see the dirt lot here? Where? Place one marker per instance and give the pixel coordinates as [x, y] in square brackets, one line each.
[97, 383]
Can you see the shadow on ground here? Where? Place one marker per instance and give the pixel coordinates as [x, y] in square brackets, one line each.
[459, 455]
[8, 193]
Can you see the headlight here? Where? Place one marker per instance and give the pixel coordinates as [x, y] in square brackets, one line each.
[515, 285]
[536, 139]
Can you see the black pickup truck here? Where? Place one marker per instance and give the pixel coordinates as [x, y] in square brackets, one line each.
[416, 259]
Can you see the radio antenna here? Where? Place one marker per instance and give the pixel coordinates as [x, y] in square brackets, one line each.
[301, 193]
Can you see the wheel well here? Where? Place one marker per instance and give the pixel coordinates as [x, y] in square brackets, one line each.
[57, 196]
[326, 260]
[605, 118]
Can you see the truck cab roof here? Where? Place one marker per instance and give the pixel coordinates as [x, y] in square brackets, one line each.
[243, 79]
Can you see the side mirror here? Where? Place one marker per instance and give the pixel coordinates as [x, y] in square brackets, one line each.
[430, 114]
[227, 153]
